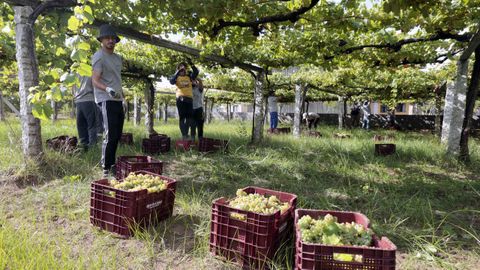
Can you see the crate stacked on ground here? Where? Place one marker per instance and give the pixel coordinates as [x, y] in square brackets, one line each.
[250, 239]
[156, 143]
[380, 255]
[126, 138]
[285, 130]
[120, 211]
[127, 164]
[212, 145]
[313, 133]
[384, 145]
[385, 149]
[63, 143]
[185, 145]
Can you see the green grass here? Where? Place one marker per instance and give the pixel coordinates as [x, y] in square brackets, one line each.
[427, 203]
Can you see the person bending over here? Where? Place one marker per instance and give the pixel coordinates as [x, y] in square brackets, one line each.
[311, 119]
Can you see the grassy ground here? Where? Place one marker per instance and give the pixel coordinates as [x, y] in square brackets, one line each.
[426, 203]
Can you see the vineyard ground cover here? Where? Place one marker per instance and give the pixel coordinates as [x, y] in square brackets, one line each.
[426, 203]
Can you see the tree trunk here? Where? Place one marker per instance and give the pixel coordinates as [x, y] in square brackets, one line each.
[207, 111]
[27, 77]
[471, 98]
[2, 111]
[266, 119]
[305, 103]
[137, 110]
[165, 112]
[210, 113]
[438, 108]
[158, 111]
[455, 109]
[128, 111]
[72, 110]
[259, 109]
[341, 112]
[149, 93]
[228, 112]
[72, 103]
[297, 118]
[205, 106]
[455, 100]
[54, 110]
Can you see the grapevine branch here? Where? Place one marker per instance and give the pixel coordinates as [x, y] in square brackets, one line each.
[440, 35]
[160, 42]
[256, 25]
[32, 3]
[47, 5]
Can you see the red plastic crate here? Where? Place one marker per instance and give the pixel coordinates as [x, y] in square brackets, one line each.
[184, 145]
[381, 256]
[158, 143]
[117, 210]
[127, 164]
[279, 130]
[153, 136]
[126, 138]
[212, 145]
[63, 143]
[254, 241]
[314, 133]
[384, 149]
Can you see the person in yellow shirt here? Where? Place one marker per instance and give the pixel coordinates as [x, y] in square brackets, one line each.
[183, 81]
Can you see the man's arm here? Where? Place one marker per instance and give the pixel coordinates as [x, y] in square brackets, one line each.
[173, 79]
[97, 82]
[194, 72]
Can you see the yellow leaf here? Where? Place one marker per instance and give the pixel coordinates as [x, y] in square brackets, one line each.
[73, 23]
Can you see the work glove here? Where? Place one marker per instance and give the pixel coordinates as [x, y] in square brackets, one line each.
[111, 92]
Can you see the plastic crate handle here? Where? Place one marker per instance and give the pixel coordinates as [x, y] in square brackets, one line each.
[109, 193]
[238, 216]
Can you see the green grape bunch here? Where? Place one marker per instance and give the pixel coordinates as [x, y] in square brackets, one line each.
[328, 231]
[136, 182]
[258, 203]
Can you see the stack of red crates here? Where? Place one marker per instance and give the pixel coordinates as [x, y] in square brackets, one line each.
[128, 164]
[308, 256]
[251, 242]
[212, 145]
[118, 210]
[156, 143]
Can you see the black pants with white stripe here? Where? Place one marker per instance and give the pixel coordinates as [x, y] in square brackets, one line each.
[113, 117]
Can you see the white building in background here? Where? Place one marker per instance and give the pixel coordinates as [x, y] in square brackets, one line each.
[244, 111]
[333, 107]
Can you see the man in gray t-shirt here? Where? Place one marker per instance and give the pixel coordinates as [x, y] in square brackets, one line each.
[86, 113]
[107, 84]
